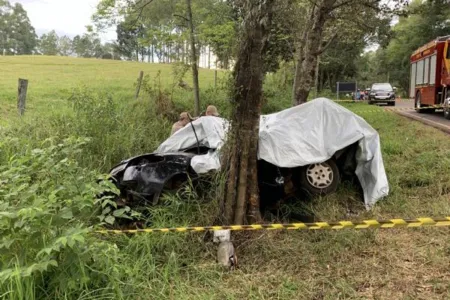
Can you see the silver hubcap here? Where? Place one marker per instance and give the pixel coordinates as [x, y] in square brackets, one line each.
[320, 175]
[418, 102]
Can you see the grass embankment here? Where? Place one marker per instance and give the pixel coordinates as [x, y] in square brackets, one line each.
[371, 264]
[52, 78]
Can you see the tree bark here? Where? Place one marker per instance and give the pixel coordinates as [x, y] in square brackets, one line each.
[209, 57]
[307, 57]
[316, 79]
[241, 191]
[153, 53]
[299, 58]
[193, 60]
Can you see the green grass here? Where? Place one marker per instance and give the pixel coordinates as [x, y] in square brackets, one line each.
[51, 80]
[371, 264]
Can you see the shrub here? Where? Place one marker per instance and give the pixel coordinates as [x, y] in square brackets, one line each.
[46, 210]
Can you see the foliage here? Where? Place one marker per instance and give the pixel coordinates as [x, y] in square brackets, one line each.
[127, 40]
[48, 43]
[217, 28]
[17, 36]
[65, 46]
[46, 204]
[159, 28]
[88, 45]
[424, 22]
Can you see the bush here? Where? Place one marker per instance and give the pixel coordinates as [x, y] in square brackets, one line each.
[47, 209]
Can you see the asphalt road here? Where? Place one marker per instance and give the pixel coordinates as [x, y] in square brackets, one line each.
[432, 119]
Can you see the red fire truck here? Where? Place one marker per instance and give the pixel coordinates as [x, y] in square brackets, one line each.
[430, 76]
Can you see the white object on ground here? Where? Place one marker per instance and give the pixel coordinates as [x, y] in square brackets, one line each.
[221, 236]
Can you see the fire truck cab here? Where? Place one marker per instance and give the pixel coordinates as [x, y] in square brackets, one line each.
[430, 76]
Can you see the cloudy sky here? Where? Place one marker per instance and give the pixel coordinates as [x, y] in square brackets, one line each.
[67, 17]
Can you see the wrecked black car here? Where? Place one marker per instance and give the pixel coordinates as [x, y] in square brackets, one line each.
[142, 179]
[307, 149]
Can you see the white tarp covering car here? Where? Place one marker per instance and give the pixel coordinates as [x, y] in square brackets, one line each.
[299, 136]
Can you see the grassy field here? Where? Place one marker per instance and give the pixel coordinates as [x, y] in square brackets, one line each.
[51, 79]
[371, 264]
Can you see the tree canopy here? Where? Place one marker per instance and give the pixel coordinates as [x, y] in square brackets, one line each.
[17, 36]
[423, 22]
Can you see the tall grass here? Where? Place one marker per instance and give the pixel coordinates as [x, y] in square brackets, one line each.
[50, 161]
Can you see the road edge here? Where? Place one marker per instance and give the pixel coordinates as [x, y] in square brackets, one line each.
[425, 121]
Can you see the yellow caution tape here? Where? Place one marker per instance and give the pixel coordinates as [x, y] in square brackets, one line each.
[366, 101]
[366, 224]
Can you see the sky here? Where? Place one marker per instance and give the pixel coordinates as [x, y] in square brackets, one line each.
[70, 17]
[66, 17]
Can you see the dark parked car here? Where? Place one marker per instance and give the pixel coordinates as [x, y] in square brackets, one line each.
[382, 93]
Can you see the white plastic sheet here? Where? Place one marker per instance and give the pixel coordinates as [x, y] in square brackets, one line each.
[211, 132]
[298, 136]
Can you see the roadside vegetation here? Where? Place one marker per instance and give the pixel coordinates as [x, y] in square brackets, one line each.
[82, 118]
[51, 158]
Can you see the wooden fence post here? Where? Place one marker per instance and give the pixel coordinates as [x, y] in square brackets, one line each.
[22, 95]
[138, 87]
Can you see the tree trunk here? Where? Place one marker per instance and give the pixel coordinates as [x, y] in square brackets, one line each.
[193, 60]
[316, 79]
[307, 58]
[184, 52]
[153, 53]
[241, 195]
[209, 57]
[299, 55]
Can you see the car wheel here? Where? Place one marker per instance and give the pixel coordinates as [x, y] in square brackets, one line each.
[391, 103]
[320, 179]
[447, 113]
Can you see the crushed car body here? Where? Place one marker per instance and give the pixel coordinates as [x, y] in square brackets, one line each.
[310, 146]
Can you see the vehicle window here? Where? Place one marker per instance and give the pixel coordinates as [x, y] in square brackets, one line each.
[426, 70]
[433, 70]
[382, 87]
[420, 68]
[413, 80]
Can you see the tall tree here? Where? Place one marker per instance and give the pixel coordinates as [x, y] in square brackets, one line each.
[422, 22]
[17, 36]
[241, 196]
[65, 46]
[313, 39]
[48, 44]
[127, 42]
[193, 58]
[88, 45]
[217, 27]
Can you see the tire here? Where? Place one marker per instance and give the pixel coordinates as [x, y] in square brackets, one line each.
[391, 103]
[325, 183]
[447, 113]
